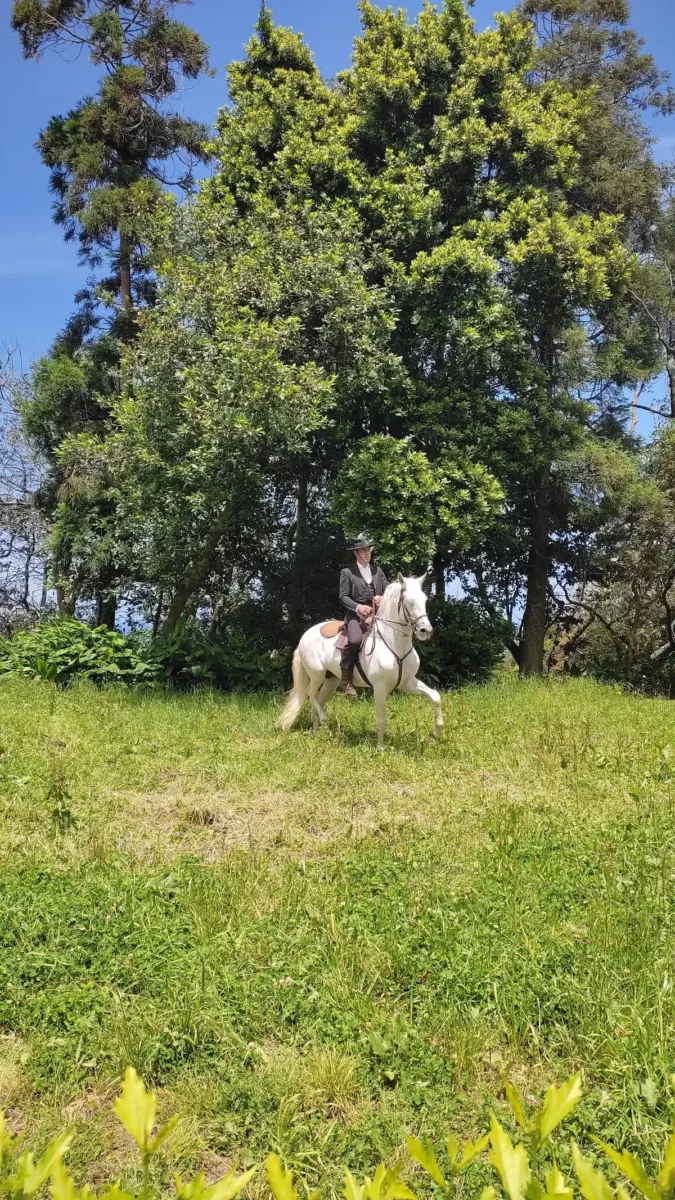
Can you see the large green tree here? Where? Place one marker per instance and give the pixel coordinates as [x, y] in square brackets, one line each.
[110, 156]
[264, 325]
[451, 168]
[110, 159]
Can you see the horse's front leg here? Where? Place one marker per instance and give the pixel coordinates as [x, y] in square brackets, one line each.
[417, 688]
[380, 697]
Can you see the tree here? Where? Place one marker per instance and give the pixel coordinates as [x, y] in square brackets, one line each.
[618, 622]
[110, 156]
[263, 326]
[109, 160]
[22, 529]
[586, 46]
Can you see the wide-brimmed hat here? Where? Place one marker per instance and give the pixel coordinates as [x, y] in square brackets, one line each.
[363, 542]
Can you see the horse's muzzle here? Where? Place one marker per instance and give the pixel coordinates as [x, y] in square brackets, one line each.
[424, 633]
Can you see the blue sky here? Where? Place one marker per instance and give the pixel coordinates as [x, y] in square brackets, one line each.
[38, 271]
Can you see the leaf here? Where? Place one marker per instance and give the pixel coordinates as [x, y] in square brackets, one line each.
[423, 1153]
[136, 1109]
[30, 1175]
[353, 1190]
[558, 1104]
[592, 1183]
[223, 1189]
[633, 1169]
[6, 1137]
[280, 1180]
[472, 1150]
[666, 1175]
[116, 1193]
[163, 1133]
[488, 1193]
[555, 1183]
[517, 1106]
[453, 1147]
[63, 1187]
[386, 1185]
[510, 1161]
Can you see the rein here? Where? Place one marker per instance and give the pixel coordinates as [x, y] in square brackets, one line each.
[409, 623]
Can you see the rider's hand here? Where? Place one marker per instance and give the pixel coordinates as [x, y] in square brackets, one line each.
[363, 610]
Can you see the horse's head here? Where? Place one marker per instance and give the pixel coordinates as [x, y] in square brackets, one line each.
[413, 604]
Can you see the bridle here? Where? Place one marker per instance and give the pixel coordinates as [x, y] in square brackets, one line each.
[410, 624]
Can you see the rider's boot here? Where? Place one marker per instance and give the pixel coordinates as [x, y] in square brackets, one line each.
[346, 684]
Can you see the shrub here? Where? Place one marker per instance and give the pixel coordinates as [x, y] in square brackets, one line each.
[235, 661]
[516, 1168]
[467, 644]
[64, 649]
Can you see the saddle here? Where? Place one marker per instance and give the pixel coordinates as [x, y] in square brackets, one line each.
[337, 629]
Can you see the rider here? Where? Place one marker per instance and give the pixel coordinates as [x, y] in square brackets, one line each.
[362, 586]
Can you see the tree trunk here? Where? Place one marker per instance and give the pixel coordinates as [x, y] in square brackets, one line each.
[157, 614]
[106, 610]
[438, 568]
[189, 584]
[534, 621]
[65, 603]
[670, 368]
[298, 582]
[125, 272]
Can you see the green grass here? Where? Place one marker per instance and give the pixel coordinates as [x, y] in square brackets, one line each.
[313, 948]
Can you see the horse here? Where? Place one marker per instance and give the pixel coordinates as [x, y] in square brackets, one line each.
[388, 660]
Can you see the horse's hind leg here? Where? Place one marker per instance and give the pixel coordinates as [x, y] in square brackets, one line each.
[328, 688]
[417, 688]
[316, 696]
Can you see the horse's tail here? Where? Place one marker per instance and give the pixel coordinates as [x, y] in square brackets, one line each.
[297, 696]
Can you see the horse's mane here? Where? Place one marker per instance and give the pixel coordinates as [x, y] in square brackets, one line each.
[390, 599]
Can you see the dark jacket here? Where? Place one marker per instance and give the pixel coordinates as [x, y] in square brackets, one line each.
[354, 589]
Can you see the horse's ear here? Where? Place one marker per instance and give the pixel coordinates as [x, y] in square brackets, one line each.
[400, 579]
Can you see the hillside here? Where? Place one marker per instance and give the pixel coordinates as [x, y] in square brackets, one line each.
[312, 948]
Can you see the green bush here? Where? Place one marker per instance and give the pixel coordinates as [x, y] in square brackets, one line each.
[467, 644]
[63, 649]
[524, 1171]
[235, 661]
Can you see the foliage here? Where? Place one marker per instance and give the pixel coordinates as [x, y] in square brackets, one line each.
[234, 660]
[63, 649]
[467, 644]
[412, 505]
[108, 160]
[404, 298]
[514, 1165]
[261, 327]
[106, 156]
[620, 624]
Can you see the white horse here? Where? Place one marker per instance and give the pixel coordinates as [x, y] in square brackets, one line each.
[388, 657]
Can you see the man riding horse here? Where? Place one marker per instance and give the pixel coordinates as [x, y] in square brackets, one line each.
[362, 586]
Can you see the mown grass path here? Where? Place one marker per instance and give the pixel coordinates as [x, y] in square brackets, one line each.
[313, 948]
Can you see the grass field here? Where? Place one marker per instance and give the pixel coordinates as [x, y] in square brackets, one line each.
[313, 948]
